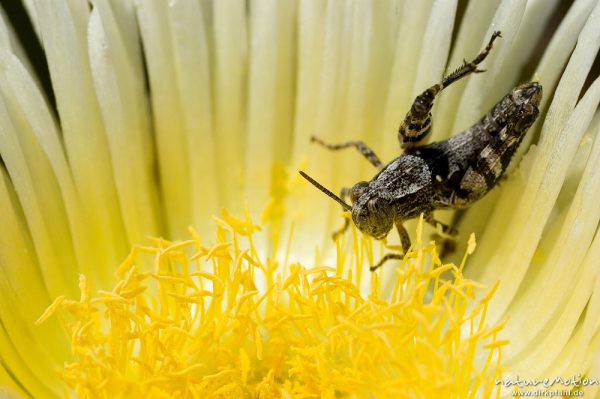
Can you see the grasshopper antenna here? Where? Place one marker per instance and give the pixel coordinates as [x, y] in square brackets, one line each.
[329, 193]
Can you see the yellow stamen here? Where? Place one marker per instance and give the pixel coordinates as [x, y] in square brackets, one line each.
[202, 327]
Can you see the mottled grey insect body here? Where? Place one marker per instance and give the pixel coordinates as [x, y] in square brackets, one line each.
[449, 174]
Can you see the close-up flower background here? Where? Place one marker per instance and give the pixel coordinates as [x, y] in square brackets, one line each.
[157, 241]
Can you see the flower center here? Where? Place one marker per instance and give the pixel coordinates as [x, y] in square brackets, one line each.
[187, 319]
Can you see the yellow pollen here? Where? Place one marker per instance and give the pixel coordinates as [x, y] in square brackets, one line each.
[189, 320]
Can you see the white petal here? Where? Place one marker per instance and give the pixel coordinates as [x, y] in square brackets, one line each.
[23, 297]
[37, 187]
[120, 92]
[193, 69]
[229, 43]
[477, 97]
[471, 36]
[9, 41]
[435, 46]
[311, 32]
[63, 28]
[408, 49]
[548, 303]
[528, 207]
[270, 105]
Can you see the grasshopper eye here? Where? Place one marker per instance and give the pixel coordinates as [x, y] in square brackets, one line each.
[358, 190]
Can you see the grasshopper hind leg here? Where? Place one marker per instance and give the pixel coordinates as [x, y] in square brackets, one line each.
[417, 122]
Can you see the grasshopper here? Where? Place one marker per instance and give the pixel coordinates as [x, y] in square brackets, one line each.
[448, 174]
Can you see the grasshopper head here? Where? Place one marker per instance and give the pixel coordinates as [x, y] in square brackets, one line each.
[373, 214]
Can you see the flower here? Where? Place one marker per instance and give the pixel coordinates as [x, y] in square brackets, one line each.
[174, 329]
[233, 93]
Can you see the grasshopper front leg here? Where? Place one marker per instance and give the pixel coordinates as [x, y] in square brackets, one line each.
[344, 195]
[404, 241]
[364, 149]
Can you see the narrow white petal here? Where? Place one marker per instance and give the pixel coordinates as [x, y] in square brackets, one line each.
[378, 38]
[120, 92]
[526, 43]
[409, 47]
[356, 109]
[471, 36]
[477, 95]
[20, 373]
[229, 46]
[40, 197]
[63, 28]
[510, 194]
[543, 187]
[18, 312]
[587, 329]
[270, 105]
[192, 69]
[310, 61]
[435, 46]
[545, 303]
[311, 28]
[563, 41]
[556, 56]
[9, 41]
[171, 143]
[529, 207]
[124, 13]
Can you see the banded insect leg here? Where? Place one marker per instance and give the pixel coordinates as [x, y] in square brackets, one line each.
[447, 243]
[446, 229]
[385, 259]
[359, 145]
[344, 194]
[447, 238]
[417, 122]
[404, 240]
